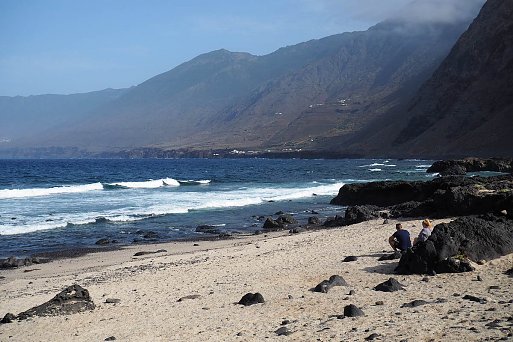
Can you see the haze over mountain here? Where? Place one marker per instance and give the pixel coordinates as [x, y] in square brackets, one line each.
[349, 93]
[466, 107]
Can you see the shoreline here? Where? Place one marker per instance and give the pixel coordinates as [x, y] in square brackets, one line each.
[283, 267]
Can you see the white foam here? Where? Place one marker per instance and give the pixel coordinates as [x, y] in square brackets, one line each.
[375, 170]
[373, 164]
[150, 184]
[35, 192]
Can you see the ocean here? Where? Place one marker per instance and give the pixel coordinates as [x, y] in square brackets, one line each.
[52, 205]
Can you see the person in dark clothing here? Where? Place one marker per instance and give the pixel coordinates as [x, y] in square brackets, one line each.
[400, 240]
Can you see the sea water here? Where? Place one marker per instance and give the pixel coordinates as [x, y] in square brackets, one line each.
[49, 205]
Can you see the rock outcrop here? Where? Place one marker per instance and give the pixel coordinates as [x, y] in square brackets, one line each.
[462, 166]
[451, 244]
[440, 197]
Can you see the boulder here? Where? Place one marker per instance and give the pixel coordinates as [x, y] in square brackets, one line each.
[207, 229]
[440, 197]
[391, 285]
[325, 285]
[337, 221]
[271, 224]
[473, 237]
[286, 219]
[13, 262]
[473, 165]
[352, 310]
[361, 213]
[72, 299]
[314, 220]
[251, 298]
[8, 318]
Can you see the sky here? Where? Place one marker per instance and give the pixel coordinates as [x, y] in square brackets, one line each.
[72, 46]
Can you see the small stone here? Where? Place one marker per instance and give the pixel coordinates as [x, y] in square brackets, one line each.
[196, 245]
[479, 278]
[372, 337]
[414, 304]
[194, 296]
[425, 279]
[351, 293]
[380, 302]
[494, 287]
[112, 300]
[111, 338]
[474, 299]
[350, 258]
[285, 322]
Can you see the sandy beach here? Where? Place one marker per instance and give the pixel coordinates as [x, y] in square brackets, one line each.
[282, 267]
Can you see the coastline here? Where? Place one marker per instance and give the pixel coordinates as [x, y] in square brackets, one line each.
[282, 267]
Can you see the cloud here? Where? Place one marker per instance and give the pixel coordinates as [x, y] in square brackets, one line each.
[439, 11]
[372, 11]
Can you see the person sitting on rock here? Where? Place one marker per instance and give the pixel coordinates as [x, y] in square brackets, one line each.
[400, 240]
[425, 233]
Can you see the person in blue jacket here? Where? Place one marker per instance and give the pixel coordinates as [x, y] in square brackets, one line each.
[400, 240]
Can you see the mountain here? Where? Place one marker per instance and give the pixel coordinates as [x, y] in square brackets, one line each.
[466, 107]
[22, 116]
[315, 95]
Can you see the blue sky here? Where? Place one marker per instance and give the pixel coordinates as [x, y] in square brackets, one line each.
[69, 46]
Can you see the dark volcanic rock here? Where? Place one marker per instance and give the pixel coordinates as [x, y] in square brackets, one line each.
[286, 219]
[251, 298]
[391, 285]
[271, 224]
[361, 213]
[474, 299]
[474, 237]
[440, 197]
[314, 220]
[207, 229]
[350, 258]
[414, 304]
[352, 310]
[325, 285]
[283, 331]
[8, 318]
[150, 252]
[472, 165]
[13, 262]
[372, 336]
[72, 299]
[337, 221]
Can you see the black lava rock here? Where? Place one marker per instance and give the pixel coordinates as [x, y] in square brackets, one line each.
[102, 242]
[352, 310]
[414, 304]
[283, 331]
[325, 285]
[350, 258]
[474, 299]
[251, 298]
[391, 285]
[314, 220]
[72, 299]
[8, 318]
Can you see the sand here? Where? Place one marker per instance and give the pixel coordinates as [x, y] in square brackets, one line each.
[283, 268]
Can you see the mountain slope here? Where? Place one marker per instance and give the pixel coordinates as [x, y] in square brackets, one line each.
[31, 115]
[466, 107]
